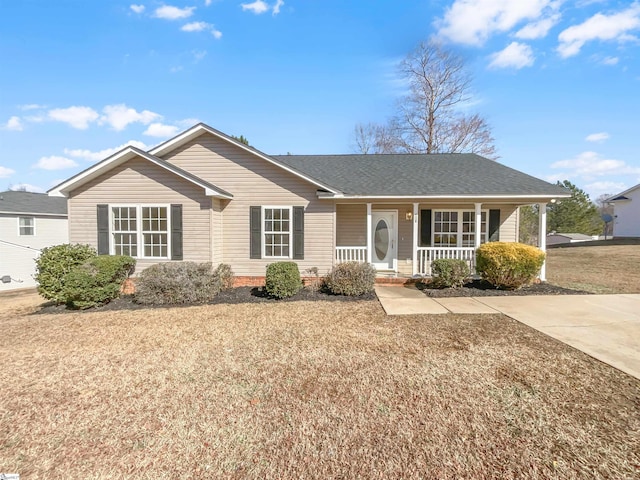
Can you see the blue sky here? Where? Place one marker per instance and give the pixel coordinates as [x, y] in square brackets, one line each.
[558, 81]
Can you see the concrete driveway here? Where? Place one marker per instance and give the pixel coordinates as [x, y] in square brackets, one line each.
[607, 327]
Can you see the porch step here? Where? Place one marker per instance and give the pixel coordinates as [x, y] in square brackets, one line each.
[395, 280]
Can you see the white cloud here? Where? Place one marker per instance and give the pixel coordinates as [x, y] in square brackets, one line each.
[277, 6]
[198, 55]
[597, 137]
[516, 55]
[601, 27]
[77, 117]
[588, 165]
[472, 22]
[217, 34]
[6, 172]
[195, 27]
[610, 60]
[14, 123]
[31, 106]
[258, 7]
[169, 12]
[176, 69]
[207, 3]
[137, 8]
[55, 163]
[598, 188]
[119, 116]
[188, 122]
[160, 130]
[27, 187]
[538, 29]
[102, 154]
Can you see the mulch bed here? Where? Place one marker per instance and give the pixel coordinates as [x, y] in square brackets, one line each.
[481, 288]
[233, 296]
[239, 295]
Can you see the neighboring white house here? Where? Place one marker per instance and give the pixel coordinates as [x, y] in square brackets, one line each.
[28, 223]
[626, 212]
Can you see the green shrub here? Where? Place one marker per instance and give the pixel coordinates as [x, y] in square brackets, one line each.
[97, 281]
[283, 279]
[508, 265]
[351, 278]
[449, 272]
[174, 283]
[53, 265]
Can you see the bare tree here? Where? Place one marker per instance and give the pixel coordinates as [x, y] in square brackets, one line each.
[431, 117]
[372, 138]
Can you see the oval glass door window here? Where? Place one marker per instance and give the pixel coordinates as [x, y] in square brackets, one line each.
[381, 239]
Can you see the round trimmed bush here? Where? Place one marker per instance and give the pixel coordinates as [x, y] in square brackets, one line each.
[351, 278]
[449, 272]
[283, 279]
[508, 265]
[53, 265]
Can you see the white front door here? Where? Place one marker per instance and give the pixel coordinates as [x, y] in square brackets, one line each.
[384, 239]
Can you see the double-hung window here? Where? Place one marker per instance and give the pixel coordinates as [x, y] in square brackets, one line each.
[26, 226]
[140, 231]
[456, 228]
[277, 227]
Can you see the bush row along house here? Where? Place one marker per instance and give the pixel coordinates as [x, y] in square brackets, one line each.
[203, 196]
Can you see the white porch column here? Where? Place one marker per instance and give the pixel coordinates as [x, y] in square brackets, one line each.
[478, 230]
[542, 237]
[415, 239]
[369, 233]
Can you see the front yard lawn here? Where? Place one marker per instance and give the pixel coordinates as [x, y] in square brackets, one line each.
[304, 390]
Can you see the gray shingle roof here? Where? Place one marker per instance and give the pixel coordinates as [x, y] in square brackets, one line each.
[464, 174]
[33, 203]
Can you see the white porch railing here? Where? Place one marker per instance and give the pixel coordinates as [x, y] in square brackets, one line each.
[351, 254]
[426, 255]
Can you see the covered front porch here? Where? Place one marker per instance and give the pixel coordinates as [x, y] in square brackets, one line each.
[405, 238]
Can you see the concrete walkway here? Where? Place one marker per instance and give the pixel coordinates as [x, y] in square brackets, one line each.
[607, 327]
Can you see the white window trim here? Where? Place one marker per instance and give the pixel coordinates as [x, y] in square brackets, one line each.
[460, 222]
[139, 234]
[263, 233]
[34, 226]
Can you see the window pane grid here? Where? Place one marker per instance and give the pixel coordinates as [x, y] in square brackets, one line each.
[152, 229]
[26, 226]
[277, 234]
[449, 232]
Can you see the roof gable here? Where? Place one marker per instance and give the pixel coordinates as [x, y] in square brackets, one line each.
[32, 203]
[202, 128]
[623, 195]
[124, 155]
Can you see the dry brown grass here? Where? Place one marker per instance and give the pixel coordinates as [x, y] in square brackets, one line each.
[304, 390]
[596, 268]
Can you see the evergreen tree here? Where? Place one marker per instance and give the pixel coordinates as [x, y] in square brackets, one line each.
[576, 214]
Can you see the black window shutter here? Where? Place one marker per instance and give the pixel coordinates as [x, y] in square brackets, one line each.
[103, 229]
[494, 225]
[176, 232]
[425, 228]
[298, 233]
[255, 231]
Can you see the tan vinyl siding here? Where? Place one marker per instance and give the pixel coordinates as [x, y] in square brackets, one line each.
[351, 225]
[508, 223]
[255, 182]
[141, 182]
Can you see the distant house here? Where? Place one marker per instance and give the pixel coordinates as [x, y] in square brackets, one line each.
[559, 238]
[626, 212]
[204, 196]
[28, 223]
